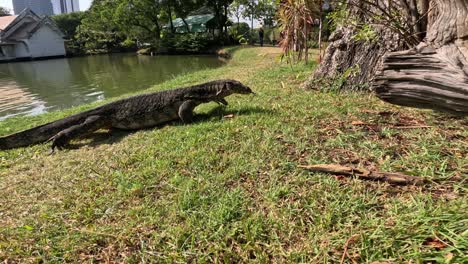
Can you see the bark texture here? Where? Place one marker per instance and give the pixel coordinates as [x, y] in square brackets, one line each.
[344, 52]
[435, 73]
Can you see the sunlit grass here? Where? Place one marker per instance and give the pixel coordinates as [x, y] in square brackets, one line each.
[227, 188]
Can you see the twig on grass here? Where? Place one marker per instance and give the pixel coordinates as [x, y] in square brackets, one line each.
[350, 240]
[390, 177]
[411, 127]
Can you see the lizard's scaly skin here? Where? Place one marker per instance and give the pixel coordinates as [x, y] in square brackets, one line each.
[137, 112]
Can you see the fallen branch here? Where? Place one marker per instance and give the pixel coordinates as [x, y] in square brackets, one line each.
[390, 177]
[411, 127]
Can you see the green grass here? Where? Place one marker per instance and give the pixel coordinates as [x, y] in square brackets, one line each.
[227, 189]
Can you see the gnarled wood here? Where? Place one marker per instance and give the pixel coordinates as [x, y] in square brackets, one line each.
[434, 74]
[346, 51]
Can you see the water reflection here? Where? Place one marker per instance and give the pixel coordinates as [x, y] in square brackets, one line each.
[29, 88]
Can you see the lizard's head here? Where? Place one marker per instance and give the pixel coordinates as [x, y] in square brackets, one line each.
[234, 86]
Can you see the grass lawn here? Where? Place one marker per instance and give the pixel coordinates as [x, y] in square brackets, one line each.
[227, 188]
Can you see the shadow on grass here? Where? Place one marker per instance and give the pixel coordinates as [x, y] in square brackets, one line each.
[116, 135]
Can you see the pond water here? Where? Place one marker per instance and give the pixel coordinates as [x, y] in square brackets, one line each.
[35, 87]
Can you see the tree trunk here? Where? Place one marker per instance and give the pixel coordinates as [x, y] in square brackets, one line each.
[186, 24]
[345, 52]
[158, 32]
[434, 74]
[225, 18]
[251, 22]
[169, 9]
[320, 41]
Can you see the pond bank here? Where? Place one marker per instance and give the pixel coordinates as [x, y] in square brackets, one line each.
[29, 88]
[216, 51]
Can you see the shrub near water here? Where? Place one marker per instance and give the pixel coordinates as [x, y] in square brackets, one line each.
[189, 42]
[239, 32]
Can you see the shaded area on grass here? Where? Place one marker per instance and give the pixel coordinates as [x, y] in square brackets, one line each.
[115, 135]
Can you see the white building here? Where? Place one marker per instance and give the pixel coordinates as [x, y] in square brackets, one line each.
[65, 6]
[29, 36]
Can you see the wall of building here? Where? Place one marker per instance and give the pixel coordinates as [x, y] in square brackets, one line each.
[73, 5]
[21, 51]
[56, 6]
[7, 52]
[46, 42]
[65, 6]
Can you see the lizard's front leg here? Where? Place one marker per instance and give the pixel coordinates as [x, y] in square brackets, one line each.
[186, 111]
[90, 125]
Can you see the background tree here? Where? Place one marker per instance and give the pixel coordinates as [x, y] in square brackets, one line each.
[267, 11]
[251, 11]
[113, 24]
[241, 29]
[68, 23]
[139, 19]
[184, 7]
[4, 11]
[98, 30]
[236, 9]
[168, 8]
[221, 11]
[263, 10]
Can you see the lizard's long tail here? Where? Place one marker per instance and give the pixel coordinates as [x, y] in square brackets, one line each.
[41, 133]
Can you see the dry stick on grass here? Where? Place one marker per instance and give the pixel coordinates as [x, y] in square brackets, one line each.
[392, 178]
[350, 241]
[410, 127]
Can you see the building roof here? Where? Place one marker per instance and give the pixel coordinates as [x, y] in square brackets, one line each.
[5, 21]
[14, 26]
[193, 20]
[46, 21]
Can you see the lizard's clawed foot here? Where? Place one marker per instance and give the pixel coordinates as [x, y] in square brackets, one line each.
[51, 152]
[222, 102]
[59, 141]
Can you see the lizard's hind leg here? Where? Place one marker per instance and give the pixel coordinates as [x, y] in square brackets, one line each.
[90, 125]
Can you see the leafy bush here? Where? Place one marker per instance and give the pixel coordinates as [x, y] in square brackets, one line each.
[188, 43]
[239, 32]
[342, 17]
[128, 44]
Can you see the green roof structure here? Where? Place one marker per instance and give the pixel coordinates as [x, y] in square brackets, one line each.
[197, 23]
